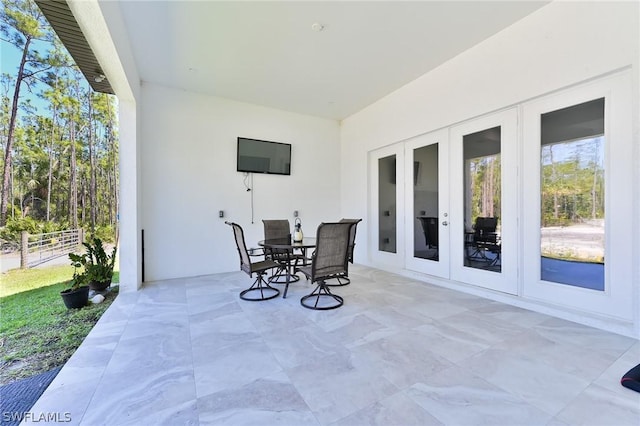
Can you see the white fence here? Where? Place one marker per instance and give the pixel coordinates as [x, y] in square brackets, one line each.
[40, 248]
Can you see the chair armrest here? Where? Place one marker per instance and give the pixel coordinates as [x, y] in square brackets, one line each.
[256, 251]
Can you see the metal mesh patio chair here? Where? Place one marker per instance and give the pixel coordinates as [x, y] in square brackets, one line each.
[485, 240]
[329, 260]
[430, 230]
[344, 280]
[260, 289]
[286, 258]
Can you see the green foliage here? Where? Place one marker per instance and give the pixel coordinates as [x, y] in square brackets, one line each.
[96, 264]
[56, 176]
[14, 227]
[13, 230]
[106, 233]
[485, 175]
[572, 181]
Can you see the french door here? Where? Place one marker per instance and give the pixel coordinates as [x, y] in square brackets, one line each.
[578, 173]
[484, 205]
[386, 210]
[428, 192]
[535, 201]
[426, 177]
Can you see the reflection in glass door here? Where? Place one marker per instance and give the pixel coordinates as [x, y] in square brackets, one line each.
[577, 215]
[482, 197]
[427, 203]
[386, 206]
[387, 230]
[484, 205]
[572, 182]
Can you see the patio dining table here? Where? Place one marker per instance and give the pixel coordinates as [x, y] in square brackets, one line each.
[285, 247]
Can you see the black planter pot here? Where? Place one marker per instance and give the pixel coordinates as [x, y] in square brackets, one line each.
[74, 299]
[99, 285]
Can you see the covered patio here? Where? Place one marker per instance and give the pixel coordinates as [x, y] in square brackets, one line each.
[179, 347]
[189, 351]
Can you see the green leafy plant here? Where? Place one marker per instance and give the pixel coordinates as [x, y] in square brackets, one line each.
[79, 278]
[96, 263]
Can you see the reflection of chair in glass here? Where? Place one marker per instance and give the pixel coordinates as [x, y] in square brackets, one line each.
[329, 260]
[485, 240]
[280, 229]
[344, 280]
[430, 229]
[260, 287]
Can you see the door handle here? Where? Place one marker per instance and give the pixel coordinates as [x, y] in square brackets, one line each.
[445, 223]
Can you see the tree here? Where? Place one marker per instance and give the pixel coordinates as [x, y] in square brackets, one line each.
[22, 24]
[61, 161]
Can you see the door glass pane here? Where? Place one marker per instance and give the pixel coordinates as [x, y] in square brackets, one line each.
[482, 197]
[572, 197]
[425, 202]
[387, 204]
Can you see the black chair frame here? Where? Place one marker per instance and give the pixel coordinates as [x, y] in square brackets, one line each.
[274, 229]
[344, 279]
[260, 289]
[329, 260]
[431, 231]
[485, 239]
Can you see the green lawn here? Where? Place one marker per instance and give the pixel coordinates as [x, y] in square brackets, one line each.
[37, 332]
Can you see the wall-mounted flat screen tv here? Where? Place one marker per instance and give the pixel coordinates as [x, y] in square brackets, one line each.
[257, 156]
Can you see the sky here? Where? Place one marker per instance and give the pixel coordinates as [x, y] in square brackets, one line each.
[9, 62]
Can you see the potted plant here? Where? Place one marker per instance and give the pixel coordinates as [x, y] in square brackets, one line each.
[77, 295]
[98, 265]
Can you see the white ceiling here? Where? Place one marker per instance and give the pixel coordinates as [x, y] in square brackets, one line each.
[267, 53]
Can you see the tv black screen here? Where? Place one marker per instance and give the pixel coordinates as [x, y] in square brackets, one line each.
[257, 156]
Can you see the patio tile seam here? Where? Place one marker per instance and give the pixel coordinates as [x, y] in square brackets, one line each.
[113, 350]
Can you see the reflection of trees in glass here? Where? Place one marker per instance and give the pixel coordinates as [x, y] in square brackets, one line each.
[485, 178]
[572, 181]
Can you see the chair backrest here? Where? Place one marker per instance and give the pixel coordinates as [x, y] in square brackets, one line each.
[278, 228]
[238, 234]
[486, 225]
[352, 236]
[273, 229]
[430, 229]
[332, 247]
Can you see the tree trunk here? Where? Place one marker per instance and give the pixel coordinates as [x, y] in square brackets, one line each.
[554, 184]
[4, 202]
[73, 178]
[51, 157]
[594, 187]
[92, 170]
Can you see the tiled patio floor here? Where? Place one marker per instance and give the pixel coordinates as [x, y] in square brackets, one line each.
[399, 352]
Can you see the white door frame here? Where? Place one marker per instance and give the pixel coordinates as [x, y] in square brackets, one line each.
[506, 280]
[438, 268]
[378, 257]
[617, 298]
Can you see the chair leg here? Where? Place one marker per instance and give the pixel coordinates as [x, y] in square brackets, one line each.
[261, 286]
[342, 280]
[280, 276]
[321, 291]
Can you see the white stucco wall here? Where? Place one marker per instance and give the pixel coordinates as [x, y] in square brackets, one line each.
[188, 163]
[557, 46]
